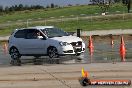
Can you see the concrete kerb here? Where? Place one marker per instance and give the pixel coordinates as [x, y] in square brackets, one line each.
[54, 76]
[107, 32]
[3, 38]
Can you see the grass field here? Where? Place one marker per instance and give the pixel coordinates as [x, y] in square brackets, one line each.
[57, 12]
[94, 21]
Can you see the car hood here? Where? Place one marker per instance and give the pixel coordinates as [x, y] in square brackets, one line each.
[67, 39]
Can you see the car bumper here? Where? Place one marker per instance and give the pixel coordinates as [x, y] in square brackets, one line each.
[70, 50]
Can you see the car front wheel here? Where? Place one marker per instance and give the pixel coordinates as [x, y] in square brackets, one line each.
[52, 52]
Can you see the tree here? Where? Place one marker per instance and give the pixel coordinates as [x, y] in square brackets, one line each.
[1, 8]
[47, 6]
[116, 1]
[103, 4]
[124, 1]
[26, 7]
[20, 7]
[56, 6]
[11, 9]
[128, 4]
[7, 9]
[52, 5]
[16, 8]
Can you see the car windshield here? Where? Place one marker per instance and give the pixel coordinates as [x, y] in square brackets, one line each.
[54, 32]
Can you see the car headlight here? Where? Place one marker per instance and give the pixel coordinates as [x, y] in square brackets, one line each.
[64, 43]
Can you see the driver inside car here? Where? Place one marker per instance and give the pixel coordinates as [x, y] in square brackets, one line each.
[38, 35]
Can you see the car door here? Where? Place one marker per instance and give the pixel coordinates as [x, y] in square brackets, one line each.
[18, 40]
[31, 44]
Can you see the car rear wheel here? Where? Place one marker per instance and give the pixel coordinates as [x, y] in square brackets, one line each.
[52, 52]
[15, 55]
[16, 62]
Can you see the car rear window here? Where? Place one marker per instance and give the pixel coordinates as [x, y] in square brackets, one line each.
[20, 34]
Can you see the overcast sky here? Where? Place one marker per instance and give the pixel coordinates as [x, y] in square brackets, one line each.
[42, 2]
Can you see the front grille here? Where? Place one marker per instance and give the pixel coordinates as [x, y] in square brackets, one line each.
[78, 50]
[69, 51]
[76, 44]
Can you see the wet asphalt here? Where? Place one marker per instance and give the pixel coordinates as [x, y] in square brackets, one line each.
[104, 52]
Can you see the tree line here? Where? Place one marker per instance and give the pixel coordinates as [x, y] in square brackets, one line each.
[127, 3]
[105, 4]
[21, 7]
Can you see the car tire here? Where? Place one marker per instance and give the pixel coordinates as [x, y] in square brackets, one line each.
[16, 62]
[14, 53]
[52, 52]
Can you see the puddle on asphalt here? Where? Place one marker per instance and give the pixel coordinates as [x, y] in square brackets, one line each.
[104, 52]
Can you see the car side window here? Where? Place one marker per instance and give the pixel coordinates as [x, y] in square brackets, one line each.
[20, 34]
[32, 34]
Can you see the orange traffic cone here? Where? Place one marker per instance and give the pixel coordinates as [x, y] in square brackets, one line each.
[5, 48]
[112, 42]
[122, 49]
[84, 80]
[90, 46]
[85, 74]
[90, 42]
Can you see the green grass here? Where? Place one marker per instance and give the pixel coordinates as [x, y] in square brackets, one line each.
[85, 24]
[57, 12]
[97, 23]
